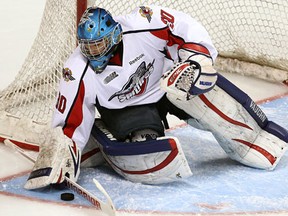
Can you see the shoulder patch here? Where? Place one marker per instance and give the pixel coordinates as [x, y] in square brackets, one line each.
[67, 74]
[146, 12]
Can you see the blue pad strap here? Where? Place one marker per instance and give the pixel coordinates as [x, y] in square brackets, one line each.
[277, 130]
[115, 148]
[252, 108]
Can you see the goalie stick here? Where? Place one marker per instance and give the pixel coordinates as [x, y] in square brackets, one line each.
[107, 208]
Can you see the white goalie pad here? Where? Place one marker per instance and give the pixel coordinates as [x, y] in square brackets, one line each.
[91, 154]
[153, 168]
[264, 153]
[237, 131]
[149, 162]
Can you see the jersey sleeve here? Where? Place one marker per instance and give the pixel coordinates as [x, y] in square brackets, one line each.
[174, 27]
[180, 29]
[75, 109]
[193, 33]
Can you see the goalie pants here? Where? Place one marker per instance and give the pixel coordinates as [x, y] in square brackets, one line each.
[122, 122]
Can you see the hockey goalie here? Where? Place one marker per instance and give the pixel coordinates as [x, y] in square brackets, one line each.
[135, 69]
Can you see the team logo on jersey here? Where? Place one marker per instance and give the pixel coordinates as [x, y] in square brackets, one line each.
[146, 12]
[137, 83]
[67, 74]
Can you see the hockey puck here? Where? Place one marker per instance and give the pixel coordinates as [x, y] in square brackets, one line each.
[67, 196]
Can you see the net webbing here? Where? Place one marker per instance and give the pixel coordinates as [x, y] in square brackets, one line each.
[252, 31]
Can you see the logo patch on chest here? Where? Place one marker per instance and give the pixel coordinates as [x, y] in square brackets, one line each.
[136, 84]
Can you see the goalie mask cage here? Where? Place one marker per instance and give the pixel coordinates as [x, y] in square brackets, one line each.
[250, 35]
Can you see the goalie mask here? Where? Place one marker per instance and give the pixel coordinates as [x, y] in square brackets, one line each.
[98, 34]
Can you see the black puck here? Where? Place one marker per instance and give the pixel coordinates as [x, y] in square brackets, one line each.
[67, 196]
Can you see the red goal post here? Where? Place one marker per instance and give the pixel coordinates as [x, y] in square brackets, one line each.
[250, 35]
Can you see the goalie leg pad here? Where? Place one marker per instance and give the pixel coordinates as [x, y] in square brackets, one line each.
[251, 107]
[149, 162]
[91, 154]
[243, 131]
[58, 157]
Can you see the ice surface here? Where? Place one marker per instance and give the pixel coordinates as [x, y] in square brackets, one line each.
[219, 185]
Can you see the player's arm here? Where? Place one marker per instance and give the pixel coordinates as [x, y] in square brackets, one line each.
[60, 152]
[195, 53]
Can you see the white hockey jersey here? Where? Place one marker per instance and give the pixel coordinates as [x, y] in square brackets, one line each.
[151, 38]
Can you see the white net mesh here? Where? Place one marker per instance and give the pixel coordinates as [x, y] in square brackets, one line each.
[253, 31]
[34, 87]
[249, 30]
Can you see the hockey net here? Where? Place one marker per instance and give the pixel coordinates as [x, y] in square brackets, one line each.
[250, 35]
